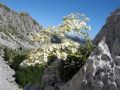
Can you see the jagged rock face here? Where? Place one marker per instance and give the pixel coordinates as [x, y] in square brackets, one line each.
[99, 72]
[7, 81]
[51, 79]
[111, 31]
[21, 22]
[18, 27]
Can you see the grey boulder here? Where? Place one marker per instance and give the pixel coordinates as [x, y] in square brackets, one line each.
[99, 72]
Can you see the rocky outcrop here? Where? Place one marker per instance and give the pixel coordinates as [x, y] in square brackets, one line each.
[18, 23]
[111, 31]
[99, 72]
[16, 28]
[7, 81]
[51, 79]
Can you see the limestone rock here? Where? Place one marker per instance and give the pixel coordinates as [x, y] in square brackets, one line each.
[117, 70]
[98, 73]
[7, 81]
[111, 31]
[16, 28]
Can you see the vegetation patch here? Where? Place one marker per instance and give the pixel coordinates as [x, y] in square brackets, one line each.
[11, 30]
[23, 14]
[2, 5]
[35, 22]
[27, 75]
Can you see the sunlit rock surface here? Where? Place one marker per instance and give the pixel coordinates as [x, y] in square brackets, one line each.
[17, 28]
[7, 81]
[111, 31]
[99, 72]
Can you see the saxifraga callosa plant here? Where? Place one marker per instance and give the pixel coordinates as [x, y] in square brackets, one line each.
[72, 54]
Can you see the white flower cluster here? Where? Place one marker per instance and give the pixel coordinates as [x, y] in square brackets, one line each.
[75, 22]
[40, 55]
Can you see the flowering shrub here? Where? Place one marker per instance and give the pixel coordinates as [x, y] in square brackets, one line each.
[75, 61]
[72, 23]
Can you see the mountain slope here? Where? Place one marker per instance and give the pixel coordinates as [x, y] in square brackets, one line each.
[16, 28]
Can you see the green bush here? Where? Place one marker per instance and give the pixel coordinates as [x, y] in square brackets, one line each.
[9, 55]
[24, 76]
[2, 5]
[17, 60]
[51, 59]
[23, 14]
[35, 22]
[29, 75]
[74, 62]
